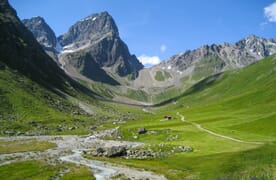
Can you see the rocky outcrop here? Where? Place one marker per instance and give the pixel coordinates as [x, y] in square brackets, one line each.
[137, 153]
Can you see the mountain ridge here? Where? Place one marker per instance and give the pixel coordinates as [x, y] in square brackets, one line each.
[92, 51]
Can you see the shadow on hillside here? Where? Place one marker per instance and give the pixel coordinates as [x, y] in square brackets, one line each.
[201, 85]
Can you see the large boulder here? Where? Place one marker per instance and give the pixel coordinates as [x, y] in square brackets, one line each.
[115, 151]
[142, 130]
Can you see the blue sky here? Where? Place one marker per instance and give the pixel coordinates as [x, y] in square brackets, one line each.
[157, 29]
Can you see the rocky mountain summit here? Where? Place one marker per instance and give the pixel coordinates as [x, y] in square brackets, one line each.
[94, 43]
[90, 28]
[92, 48]
[43, 34]
[193, 65]
[42, 31]
[175, 75]
[239, 54]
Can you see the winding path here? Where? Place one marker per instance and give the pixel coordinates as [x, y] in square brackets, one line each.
[147, 111]
[198, 126]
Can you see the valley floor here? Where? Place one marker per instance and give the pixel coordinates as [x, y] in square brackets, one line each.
[222, 128]
[213, 155]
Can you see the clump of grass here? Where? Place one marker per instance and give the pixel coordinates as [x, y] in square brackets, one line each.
[78, 172]
[7, 147]
[28, 170]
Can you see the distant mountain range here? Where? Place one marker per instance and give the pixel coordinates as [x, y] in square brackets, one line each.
[194, 65]
[93, 52]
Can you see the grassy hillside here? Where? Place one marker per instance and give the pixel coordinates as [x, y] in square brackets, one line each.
[28, 108]
[240, 104]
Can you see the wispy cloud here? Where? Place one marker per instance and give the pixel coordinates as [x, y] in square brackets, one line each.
[270, 12]
[263, 24]
[149, 60]
[163, 48]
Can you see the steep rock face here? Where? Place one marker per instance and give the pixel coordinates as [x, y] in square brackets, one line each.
[20, 51]
[44, 35]
[90, 28]
[97, 37]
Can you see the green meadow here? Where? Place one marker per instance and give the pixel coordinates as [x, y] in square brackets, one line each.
[239, 104]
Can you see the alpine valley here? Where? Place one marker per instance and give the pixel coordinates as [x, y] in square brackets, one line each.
[81, 106]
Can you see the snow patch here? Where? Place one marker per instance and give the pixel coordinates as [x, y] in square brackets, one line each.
[68, 51]
[89, 18]
[169, 67]
[179, 72]
[68, 46]
[73, 48]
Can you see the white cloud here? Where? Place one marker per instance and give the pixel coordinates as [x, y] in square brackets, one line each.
[149, 60]
[163, 48]
[270, 12]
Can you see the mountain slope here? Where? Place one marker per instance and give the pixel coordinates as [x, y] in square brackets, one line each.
[37, 97]
[19, 50]
[238, 103]
[183, 70]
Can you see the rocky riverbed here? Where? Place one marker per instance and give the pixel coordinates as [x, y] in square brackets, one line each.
[70, 149]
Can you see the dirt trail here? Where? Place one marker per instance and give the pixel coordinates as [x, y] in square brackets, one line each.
[198, 126]
[76, 145]
[147, 111]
